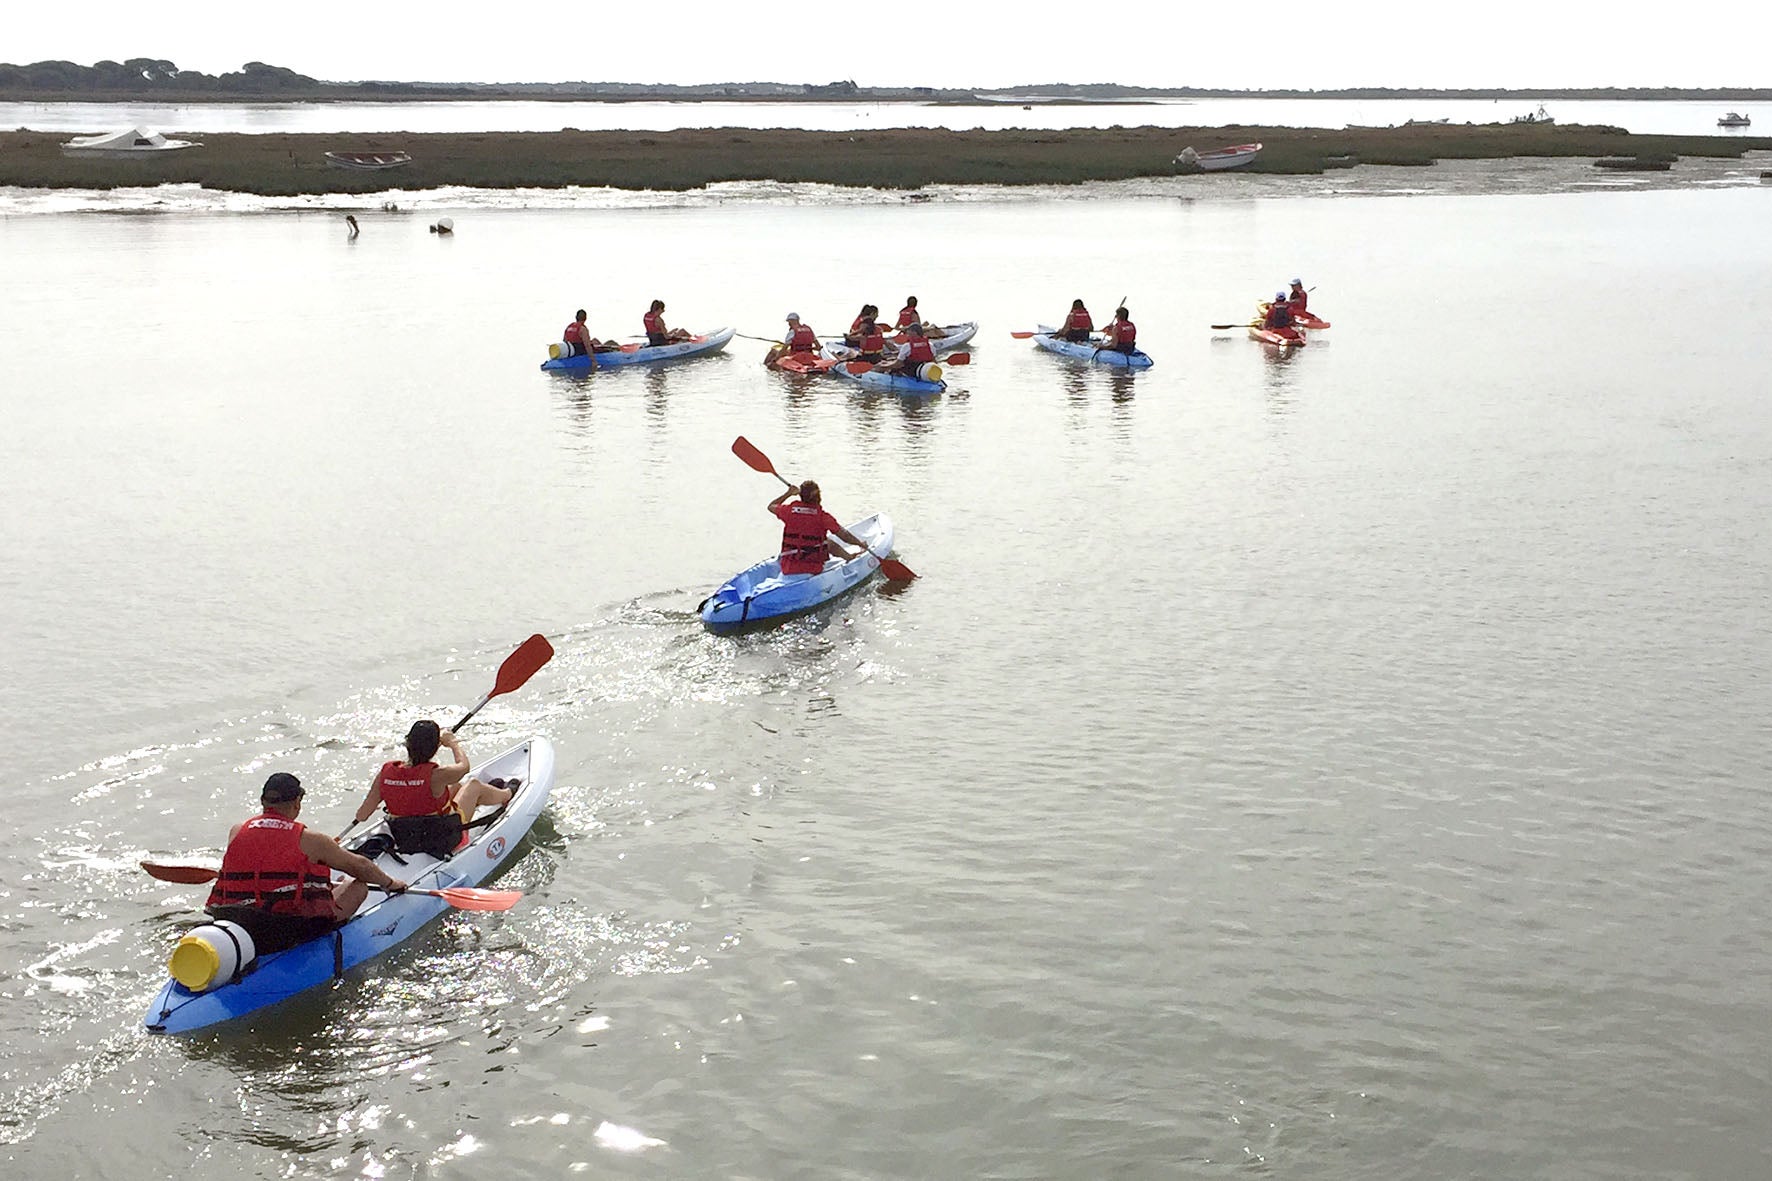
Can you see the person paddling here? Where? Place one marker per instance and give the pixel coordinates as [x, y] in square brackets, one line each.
[1298, 297]
[1078, 325]
[276, 875]
[418, 786]
[1279, 315]
[800, 338]
[579, 341]
[913, 353]
[1122, 334]
[868, 314]
[870, 342]
[656, 332]
[806, 530]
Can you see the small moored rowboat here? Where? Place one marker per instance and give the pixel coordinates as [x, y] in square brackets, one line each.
[640, 354]
[368, 161]
[1218, 160]
[384, 922]
[763, 595]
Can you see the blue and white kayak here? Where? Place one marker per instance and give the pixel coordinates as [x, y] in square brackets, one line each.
[385, 920]
[763, 595]
[897, 383]
[1048, 339]
[643, 354]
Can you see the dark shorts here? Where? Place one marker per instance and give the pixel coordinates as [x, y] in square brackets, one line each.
[657, 338]
[1077, 335]
[274, 932]
[575, 348]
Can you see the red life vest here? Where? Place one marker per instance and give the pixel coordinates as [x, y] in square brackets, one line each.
[803, 529]
[855, 328]
[872, 339]
[1079, 320]
[575, 334]
[265, 867]
[1298, 299]
[406, 791]
[1122, 334]
[802, 340]
[1279, 315]
[654, 324]
[921, 351]
[907, 315]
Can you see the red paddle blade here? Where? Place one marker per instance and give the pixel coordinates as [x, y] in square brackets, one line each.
[957, 359]
[857, 366]
[1023, 335]
[520, 665]
[745, 450]
[895, 570]
[469, 898]
[184, 875]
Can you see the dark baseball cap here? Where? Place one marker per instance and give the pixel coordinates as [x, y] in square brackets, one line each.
[282, 787]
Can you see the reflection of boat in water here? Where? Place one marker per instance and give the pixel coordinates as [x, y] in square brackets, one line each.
[1539, 116]
[1632, 164]
[1735, 119]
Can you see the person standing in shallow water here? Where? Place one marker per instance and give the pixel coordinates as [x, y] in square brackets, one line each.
[806, 530]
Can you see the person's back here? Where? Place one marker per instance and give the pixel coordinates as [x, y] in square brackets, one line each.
[1122, 334]
[804, 528]
[1078, 324]
[1279, 313]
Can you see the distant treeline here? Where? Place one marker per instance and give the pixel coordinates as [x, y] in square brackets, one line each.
[148, 78]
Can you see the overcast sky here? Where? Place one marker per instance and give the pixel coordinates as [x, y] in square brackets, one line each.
[986, 43]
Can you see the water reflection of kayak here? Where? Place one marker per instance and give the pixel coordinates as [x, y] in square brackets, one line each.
[385, 921]
[762, 595]
[642, 354]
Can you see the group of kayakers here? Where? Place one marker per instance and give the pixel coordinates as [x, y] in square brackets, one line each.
[580, 343]
[1120, 334]
[866, 338]
[1283, 314]
[276, 873]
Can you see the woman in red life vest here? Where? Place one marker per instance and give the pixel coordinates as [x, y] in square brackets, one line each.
[870, 342]
[276, 875]
[1078, 325]
[800, 339]
[1297, 298]
[917, 351]
[806, 530]
[417, 786]
[869, 313]
[1122, 334]
[656, 332]
[908, 315]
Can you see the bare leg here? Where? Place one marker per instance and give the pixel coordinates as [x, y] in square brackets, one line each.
[348, 897]
[473, 793]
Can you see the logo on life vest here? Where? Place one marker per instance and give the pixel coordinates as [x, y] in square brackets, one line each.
[495, 848]
[385, 931]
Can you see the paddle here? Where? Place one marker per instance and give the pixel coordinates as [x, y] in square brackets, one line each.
[764, 339]
[1026, 335]
[518, 667]
[1244, 324]
[742, 447]
[460, 897]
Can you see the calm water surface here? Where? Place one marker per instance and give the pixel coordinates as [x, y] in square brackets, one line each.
[1344, 765]
[1646, 117]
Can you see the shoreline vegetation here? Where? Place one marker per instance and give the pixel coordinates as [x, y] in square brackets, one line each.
[286, 165]
[141, 79]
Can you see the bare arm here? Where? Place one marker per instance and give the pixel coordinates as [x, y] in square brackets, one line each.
[317, 846]
[371, 802]
[776, 503]
[444, 778]
[852, 539]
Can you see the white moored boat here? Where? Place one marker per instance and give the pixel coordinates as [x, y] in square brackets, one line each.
[124, 145]
[1217, 161]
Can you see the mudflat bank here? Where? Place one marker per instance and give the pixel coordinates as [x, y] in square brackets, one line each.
[286, 165]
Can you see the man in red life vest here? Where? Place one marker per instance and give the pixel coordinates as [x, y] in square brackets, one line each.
[656, 332]
[800, 339]
[276, 878]
[806, 530]
[1122, 334]
[1279, 315]
[1298, 298]
[917, 351]
[1078, 325]
[580, 342]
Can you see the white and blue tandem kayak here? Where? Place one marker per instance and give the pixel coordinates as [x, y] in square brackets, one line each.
[763, 595]
[642, 354]
[1048, 339]
[385, 920]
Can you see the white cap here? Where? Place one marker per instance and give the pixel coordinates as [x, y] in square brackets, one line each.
[1298, 282]
[793, 315]
[1279, 295]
